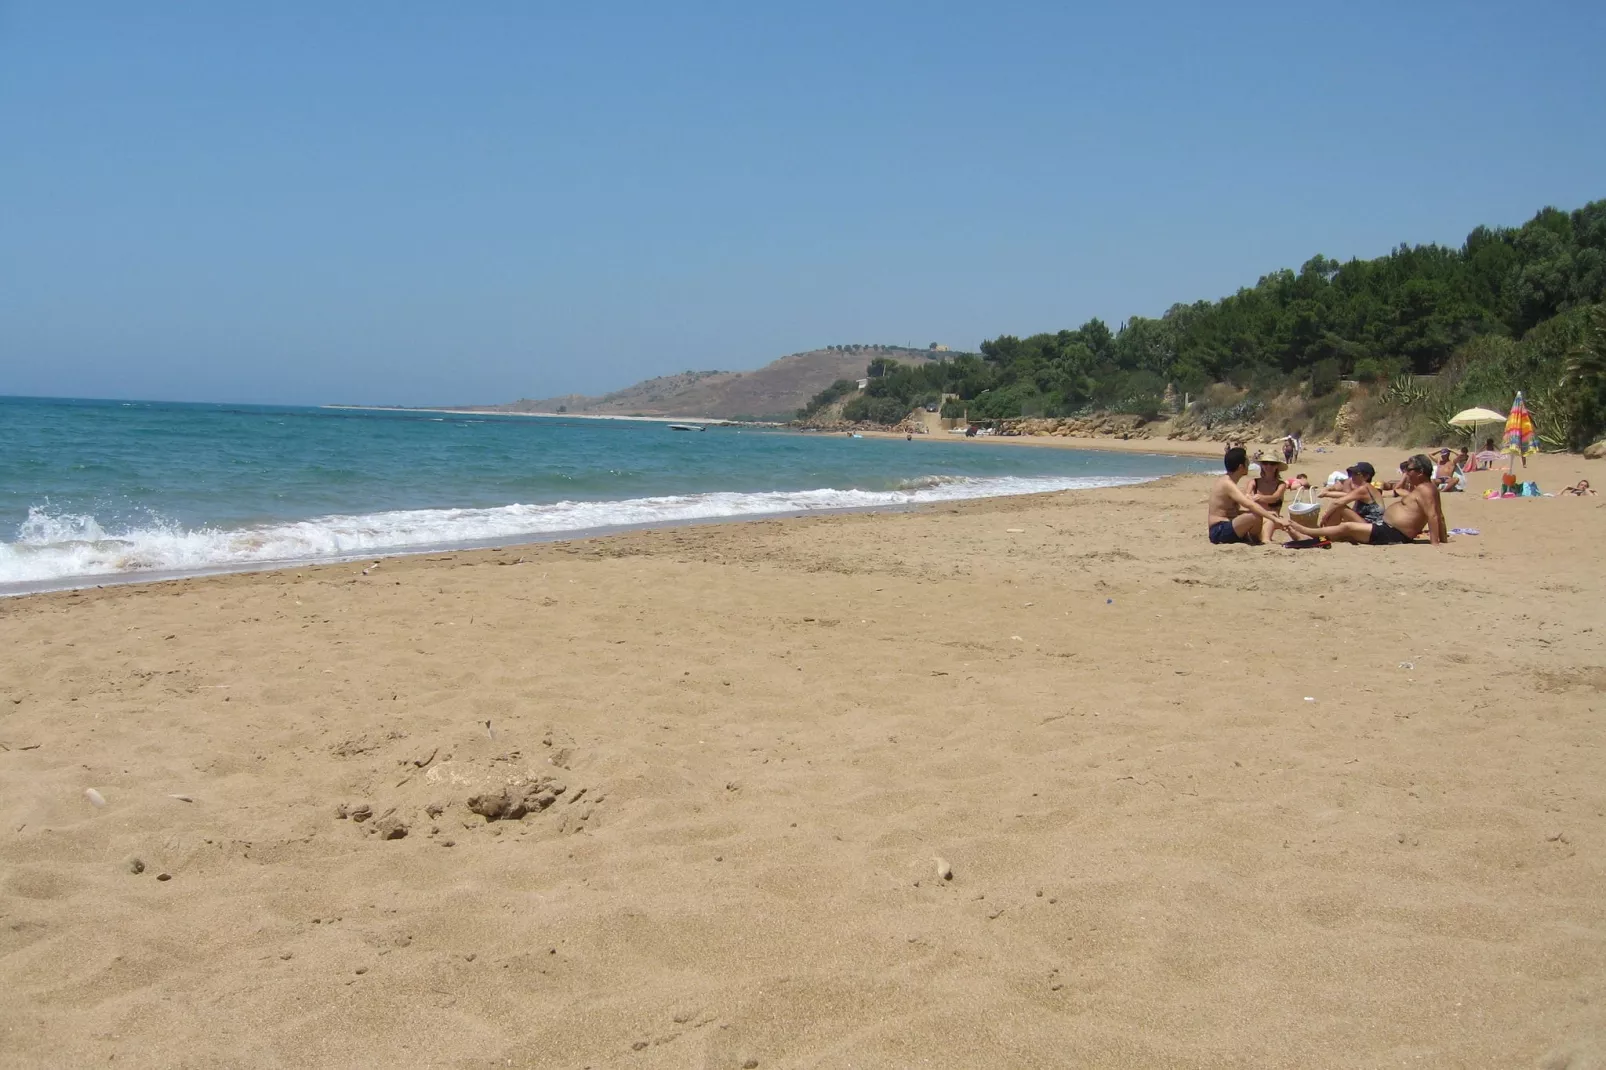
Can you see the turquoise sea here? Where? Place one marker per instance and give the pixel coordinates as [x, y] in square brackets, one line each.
[92, 491]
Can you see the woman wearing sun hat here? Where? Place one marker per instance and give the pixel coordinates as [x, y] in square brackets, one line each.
[1267, 489]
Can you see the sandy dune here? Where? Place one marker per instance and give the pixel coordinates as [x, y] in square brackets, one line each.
[1204, 806]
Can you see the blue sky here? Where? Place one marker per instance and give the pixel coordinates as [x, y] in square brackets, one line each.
[419, 203]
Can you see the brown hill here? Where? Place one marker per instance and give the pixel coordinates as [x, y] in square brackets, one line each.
[773, 392]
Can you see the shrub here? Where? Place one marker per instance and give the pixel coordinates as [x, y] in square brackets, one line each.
[1376, 369]
[885, 411]
[839, 389]
[1324, 377]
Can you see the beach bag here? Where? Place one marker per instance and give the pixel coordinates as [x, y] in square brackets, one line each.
[1304, 507]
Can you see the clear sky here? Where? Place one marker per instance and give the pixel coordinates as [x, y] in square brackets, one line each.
[419, 202]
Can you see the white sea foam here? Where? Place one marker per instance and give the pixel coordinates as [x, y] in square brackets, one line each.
[53, 548]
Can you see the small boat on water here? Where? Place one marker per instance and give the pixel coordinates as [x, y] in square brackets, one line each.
[684, 427]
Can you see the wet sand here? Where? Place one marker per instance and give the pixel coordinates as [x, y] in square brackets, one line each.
[1202, 806]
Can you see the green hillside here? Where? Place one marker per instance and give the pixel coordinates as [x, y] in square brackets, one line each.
[1424, 331]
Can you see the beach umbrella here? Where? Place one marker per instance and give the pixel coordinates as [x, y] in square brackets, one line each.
[1520, 437]
[1474, 417]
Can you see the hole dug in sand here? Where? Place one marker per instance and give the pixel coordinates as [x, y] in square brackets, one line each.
[512, 802]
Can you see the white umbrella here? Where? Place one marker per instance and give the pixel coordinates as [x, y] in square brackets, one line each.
[1473, 417]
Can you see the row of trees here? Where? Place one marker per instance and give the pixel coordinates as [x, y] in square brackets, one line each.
[1521, 295]
[875, 347]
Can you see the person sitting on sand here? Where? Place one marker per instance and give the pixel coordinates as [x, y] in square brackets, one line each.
[1581, 489]
[1446, 473]
[1357, 502]
[1233, 516]
[1268, 489]
[1420, 510]
[1399, 487]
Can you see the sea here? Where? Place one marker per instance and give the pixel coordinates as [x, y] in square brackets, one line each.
[95, 492]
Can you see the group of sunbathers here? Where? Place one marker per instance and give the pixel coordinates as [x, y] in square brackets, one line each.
[1352, 511]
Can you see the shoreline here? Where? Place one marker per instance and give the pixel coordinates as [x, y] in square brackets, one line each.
[1094, 444]
[1106, 444]
[125, 579]
[1166, 447]
[32, 588]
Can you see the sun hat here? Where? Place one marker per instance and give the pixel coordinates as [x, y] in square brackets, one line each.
[1365, 469]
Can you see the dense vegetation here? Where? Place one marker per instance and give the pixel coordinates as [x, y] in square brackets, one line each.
[829, 396]
[1425, 329]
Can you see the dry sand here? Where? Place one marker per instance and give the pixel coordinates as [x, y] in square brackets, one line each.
[1204, 806]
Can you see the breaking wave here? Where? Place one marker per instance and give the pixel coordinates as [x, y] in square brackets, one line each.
[62, 548]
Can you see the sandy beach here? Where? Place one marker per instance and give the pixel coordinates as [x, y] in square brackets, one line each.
[1027, 782]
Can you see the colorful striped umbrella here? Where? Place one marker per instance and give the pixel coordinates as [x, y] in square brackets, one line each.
[1520, 437]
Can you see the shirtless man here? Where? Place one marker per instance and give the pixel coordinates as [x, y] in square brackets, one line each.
[1234, 516]
[1447, 473]
[1417, 510]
